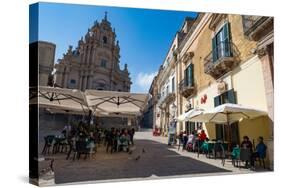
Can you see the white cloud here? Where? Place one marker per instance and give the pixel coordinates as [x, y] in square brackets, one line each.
[144, 80]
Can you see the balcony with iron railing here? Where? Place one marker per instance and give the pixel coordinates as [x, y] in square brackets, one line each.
[186, 89]
[222, 59]
[255, 27]
[155, 98]
[166, 98]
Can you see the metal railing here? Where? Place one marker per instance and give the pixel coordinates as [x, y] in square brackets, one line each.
[183, 83]
[221, 59]
[224, 49]
[165, 96]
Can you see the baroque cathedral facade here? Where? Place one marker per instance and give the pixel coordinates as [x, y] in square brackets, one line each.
[94, 63]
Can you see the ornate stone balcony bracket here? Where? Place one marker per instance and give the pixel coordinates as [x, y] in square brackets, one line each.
[187, 56]
[186, 90]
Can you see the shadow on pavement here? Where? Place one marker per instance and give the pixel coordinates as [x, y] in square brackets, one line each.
[154, 159]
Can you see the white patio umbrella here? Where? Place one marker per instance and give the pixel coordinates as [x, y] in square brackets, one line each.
[227, 114]
[113, 102]
[60, 100]
[186, 116]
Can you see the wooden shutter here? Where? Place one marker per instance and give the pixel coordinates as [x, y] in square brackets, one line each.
[186, 76]
[217, 100]
[190, 75]
[192, 126]
[234, 133]
[231, 96]
[226, 40]
[219, 131]
[214, 50]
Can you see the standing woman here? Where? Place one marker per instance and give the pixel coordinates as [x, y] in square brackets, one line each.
[132, 133]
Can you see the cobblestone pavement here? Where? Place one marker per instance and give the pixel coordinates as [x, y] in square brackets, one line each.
[156, 161]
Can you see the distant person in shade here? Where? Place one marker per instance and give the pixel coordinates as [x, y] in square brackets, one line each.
[132, 133]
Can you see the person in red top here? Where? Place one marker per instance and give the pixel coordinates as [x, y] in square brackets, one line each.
[202, 135]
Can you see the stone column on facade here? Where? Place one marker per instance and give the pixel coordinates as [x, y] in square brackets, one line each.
[166, 120]
[82, 83]
[66, 76]
[180, 105]
[85, 82]
[177, 93]
[90, 82]
[85, 55]
[265, 58]
[161, 121]
[88, 55]
[268, 81]
[79, 81]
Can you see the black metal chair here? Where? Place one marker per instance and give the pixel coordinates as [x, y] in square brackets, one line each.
[48, 144]
[245, 155]
[81, 148]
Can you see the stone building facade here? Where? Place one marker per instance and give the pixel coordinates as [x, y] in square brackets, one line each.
[220, 61]
[261, 30]
[164, 87]
[94, 63]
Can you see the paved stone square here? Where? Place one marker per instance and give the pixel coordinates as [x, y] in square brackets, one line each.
[156, 160]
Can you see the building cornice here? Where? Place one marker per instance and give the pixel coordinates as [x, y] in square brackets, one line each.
[205, 19]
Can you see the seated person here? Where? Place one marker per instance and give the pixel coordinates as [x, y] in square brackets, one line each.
[247, 144]
[202, 135]
[124, 140]
[205, 147]
[180, 137]
[260, 151]
[235, 152]
[110, 140]
[116, 138]
[91, 144]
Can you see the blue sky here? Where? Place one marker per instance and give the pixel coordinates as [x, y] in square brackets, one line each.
[144, 35]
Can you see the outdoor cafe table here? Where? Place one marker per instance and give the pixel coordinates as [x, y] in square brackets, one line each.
[210, 145]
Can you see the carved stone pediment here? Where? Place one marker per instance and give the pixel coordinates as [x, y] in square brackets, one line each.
[216, 19]
[187, 56]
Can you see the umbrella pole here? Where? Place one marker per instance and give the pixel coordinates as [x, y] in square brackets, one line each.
[223, 135]
[228, 133]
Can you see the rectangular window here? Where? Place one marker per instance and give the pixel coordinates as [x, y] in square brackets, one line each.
[103, 63]
[221, 43]
[173, 84]
[190, 127]
[189, 78]
[222, 130]
[226, 97]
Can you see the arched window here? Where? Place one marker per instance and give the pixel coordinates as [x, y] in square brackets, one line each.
[104, 39]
